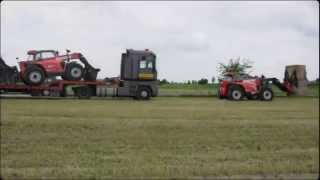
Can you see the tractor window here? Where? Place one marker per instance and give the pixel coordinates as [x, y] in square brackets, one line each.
[150, 65]
[143, 64]
[37, 56]
[46, 55]
[30, 57]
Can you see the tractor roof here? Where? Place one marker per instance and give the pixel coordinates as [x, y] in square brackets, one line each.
[32, 52]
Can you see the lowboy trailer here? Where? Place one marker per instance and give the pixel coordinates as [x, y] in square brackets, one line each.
[138, 79]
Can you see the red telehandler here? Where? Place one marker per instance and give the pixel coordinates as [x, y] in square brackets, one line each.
[237, 87]
[42, 64]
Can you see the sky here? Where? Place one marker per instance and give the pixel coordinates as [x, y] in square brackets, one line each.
[189, 38]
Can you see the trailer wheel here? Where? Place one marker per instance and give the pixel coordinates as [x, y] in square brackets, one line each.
[83, 92]
[143, 93]
[34, 76]
[73, 72]
[235, 93]
[266, 94]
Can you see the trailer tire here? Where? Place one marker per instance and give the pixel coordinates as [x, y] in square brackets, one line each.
[235, 93]
[143, 93]
[34, 76]
[73, 72]
[266, 94]
[83, 92]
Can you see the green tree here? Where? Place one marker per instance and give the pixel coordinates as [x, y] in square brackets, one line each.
[203, 81]
[164, 81]
[235, 67]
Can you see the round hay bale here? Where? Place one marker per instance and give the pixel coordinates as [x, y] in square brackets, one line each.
[297, 76]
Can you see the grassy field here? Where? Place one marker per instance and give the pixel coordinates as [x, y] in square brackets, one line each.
[173, 137]
[211, 90]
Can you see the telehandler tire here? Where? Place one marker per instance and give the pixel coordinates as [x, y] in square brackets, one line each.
[73, 72]
[266, 94]
[34, 76]
[235, 93]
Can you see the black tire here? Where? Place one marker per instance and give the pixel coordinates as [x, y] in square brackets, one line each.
[266, 94]
[73, 72]
[83, 92]
[235, 93]
[143, 93]
[34, 75]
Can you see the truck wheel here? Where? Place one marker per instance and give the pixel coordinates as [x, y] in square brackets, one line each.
[143, 93]
[73, 72]
[34, 76]
[266, 94]
[235, 93]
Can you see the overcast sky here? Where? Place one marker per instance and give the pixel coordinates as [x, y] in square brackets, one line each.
[189, 38]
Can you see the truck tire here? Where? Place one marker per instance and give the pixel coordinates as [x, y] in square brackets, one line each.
[73, 72]
[235, 93]
[266, 94]
[143, 93]
[34, 76]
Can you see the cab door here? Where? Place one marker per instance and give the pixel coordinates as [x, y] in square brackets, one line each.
[51, 64]
[147, 68]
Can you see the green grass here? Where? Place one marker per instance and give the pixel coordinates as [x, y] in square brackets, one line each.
[165, 137]
[211, 90]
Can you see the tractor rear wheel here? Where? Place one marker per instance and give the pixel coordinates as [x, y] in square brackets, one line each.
[34, 76]
[235, 93]
[266, 94]
[73, 72]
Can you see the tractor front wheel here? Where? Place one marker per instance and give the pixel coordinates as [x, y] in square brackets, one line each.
[266, 94]
[235, 93]
[34, 76]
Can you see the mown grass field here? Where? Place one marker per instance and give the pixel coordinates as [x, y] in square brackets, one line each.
[175, 137]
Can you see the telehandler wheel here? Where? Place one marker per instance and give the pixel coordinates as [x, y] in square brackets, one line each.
[143, 93]
[73, 72]
[34, 76]
[235, 93]
[266, 94]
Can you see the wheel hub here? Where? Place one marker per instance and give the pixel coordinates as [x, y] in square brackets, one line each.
[236, 95]
[144, 94]
[267, 95]
[35, 77]
[75, 72]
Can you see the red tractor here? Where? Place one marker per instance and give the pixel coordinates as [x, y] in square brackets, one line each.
[240, 86]
[43, 64]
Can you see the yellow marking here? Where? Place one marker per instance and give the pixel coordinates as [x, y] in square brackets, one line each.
[146, 76]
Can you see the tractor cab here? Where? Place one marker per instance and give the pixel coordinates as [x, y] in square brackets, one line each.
[138, 65]
[34, 55]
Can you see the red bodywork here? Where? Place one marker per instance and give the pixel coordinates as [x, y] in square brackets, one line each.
[250, 86]
[50, 66]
